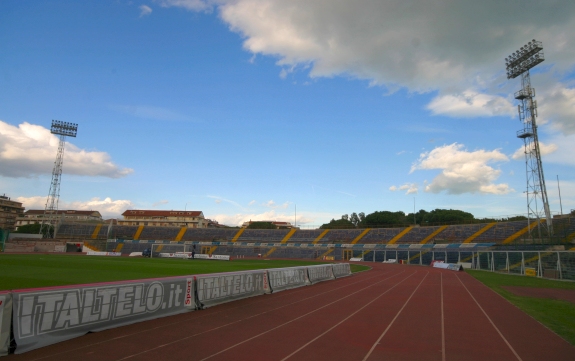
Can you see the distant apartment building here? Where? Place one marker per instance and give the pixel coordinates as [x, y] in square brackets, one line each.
[140, 217]
[9, 212]
[34, 216]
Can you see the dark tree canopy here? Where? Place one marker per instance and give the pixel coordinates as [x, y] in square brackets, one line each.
[382, 218]
[338, 224]
[261, 225]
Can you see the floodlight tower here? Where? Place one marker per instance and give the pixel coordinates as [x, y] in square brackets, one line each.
[517, 64]
[63, 129]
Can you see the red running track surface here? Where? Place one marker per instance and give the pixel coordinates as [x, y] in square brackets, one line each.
[392, 312]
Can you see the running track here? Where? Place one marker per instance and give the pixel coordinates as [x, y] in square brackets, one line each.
[391, 312]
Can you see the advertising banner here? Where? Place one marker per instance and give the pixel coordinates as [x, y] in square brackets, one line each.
[45, 316]
[320, 273]
[5, 318]
[214, 289]
[341, 269]
[286, 278]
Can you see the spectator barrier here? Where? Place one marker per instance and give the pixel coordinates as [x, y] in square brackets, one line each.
[44, 316]
[5, 315]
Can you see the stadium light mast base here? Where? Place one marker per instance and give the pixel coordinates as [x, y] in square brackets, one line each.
[62, 129]
[518, 64]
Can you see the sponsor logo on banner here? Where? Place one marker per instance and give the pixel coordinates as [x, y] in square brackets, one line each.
[46, 312]
[285, 278]
[341, 269]
[220, 288]
[189, 297]
[320, 273]
[2, 303]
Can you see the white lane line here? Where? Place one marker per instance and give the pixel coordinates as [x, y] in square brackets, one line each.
[209, 315]
[345, 319]
[491, 321]
[396, 316]
[442, 323]
[295, 319]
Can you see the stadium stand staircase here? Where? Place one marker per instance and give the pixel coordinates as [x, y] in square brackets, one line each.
[96, 231]
[360, 236]
[518, 234]
[315, 241]
[479, 233]
[181, 233]
[431, 236]
[325, 254]
[286, 238]
[138, 232]
[401, 234]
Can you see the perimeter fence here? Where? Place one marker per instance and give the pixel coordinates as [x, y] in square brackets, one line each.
[548, 264]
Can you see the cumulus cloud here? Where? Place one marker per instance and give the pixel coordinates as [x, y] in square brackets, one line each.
[471, 104]
[410, 188]
[239, 218]
[544, 149]
[145, 10]
[29, 150]
[195, 5]
[272, 204]
[421, 46]
[107, 207]
[462, 171]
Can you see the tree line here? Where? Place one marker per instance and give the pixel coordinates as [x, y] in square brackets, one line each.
[381, 219]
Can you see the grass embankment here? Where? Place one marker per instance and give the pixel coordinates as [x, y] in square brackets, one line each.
[557, 315]
[31, 271]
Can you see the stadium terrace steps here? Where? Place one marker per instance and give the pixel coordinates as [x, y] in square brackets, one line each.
[139, 232]
[401, 234]
[435, 233]
[181, 233]
[96, 231]
[360, 236]
[284, 240]
[520, 233]
[480, 232]
[315, 241]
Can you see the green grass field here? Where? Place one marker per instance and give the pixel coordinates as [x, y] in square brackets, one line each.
[44, 270]
[557, 315]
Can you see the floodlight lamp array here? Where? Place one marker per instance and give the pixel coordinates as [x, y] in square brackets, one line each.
[524, 59]
[64, 128]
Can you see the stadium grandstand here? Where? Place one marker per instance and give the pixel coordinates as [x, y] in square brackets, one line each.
[314, 243]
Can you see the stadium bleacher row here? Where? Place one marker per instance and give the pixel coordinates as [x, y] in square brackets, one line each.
[500, 232]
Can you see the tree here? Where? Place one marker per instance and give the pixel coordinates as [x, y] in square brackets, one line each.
[448, 216]
[381, 218]
[261, 225]
[345, 216]
[339, 224]
[35, 229]
[354, 218]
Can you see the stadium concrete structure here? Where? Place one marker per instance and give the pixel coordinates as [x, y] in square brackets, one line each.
[369, 243]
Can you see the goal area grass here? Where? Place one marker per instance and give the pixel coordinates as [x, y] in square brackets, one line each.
[19, 271]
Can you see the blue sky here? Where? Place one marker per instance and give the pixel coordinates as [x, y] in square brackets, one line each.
[247, 109]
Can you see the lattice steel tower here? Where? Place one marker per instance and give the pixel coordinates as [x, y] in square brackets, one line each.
[517, 64]
[63, 129]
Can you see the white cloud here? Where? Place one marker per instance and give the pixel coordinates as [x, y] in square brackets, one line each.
[239, 218]
[462, 171]
[145, 10]
[252, 203]
[410, 188]
[272, 204]
[107, 207]
[565, 145]
[544, 149]
[30, 150]
[422, 46]
[195, 5]
[471, 104]
[159, 203]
